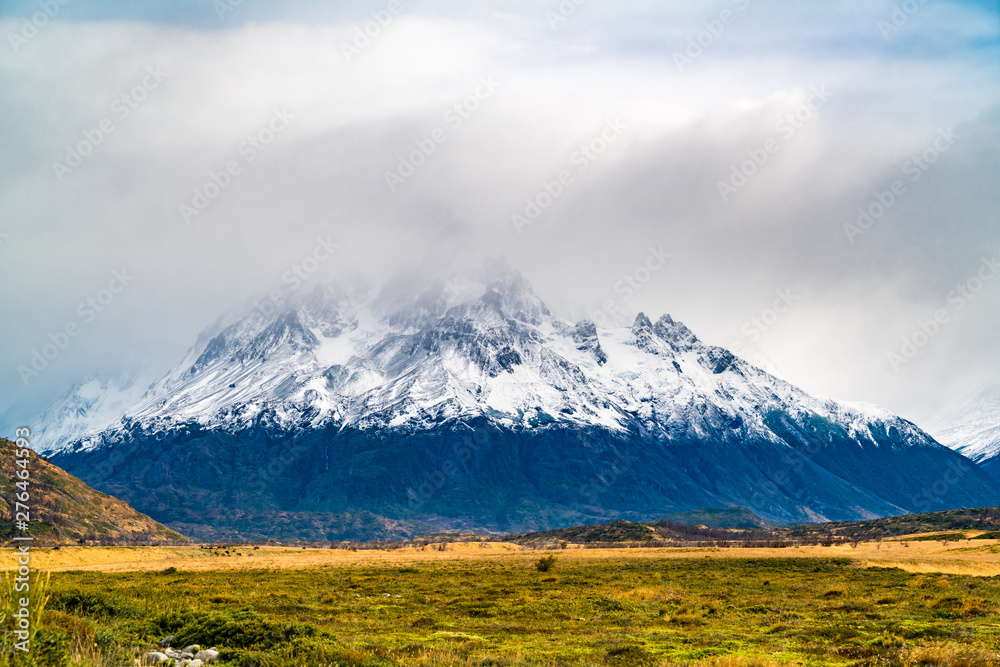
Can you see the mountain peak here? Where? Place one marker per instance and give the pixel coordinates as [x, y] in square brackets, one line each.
[513, 298]
[972, 428]
[641, 323]
[674, 332]
[584, 334]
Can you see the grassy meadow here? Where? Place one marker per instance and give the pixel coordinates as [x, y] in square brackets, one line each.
[472, 605]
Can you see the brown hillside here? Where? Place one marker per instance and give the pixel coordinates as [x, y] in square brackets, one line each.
[64, 510]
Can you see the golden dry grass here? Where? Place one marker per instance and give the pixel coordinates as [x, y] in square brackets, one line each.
[979, 558]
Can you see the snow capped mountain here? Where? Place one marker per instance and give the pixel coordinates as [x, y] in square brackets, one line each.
[88, 408]
[973, 428]
[380, 393]
[499, 353]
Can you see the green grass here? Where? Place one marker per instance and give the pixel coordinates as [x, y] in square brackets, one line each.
[504, 611]
[951, 537]
[989, 535]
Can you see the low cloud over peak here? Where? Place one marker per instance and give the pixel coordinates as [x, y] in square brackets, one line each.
[810, 151]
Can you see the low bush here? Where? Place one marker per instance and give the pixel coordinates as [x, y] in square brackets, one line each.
[242, 629]
[545, 563]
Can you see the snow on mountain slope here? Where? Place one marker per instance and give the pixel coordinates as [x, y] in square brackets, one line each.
[89, 407]
[972, 428]
[346, 358]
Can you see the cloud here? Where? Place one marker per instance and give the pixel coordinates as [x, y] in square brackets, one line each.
[347, 122]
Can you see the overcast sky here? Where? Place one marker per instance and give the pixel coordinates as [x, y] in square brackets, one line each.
[742, 138]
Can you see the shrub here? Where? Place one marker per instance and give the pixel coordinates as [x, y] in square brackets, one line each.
[545, 563]
[95, 605]
[889, 640]
[238, 629]
[308, 652]
[604, 603]
[687, 615]
[991, 535]
[629, 655]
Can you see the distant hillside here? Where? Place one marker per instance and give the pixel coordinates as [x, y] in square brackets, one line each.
[651, 534]
[702, 524]
[730, 517]
[983, 518]
[615, 531]
[739, 524]
[64, 510]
